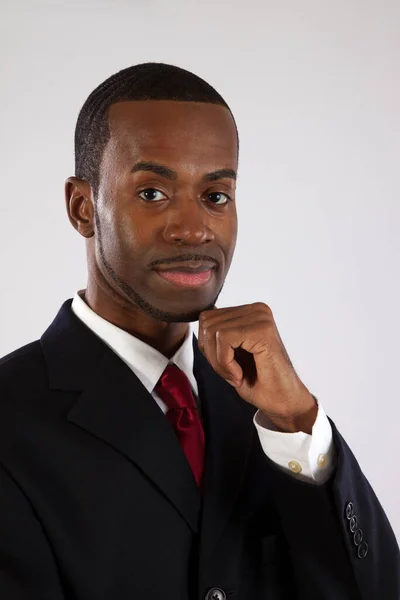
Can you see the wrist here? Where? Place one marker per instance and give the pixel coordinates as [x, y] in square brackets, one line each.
[302, 421]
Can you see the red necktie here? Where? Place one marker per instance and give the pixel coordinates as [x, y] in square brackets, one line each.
[174, 388]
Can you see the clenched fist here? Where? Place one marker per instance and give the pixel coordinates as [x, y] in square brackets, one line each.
[243, 345]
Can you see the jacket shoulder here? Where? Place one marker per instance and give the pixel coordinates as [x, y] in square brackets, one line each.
[23, 370]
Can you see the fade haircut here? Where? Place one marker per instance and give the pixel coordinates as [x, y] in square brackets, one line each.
[146, 81]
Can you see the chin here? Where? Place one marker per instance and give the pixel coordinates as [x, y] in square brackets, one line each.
[182, 316]
[178, 312]
[172, 310]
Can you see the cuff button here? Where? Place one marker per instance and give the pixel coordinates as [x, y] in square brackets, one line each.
[215, 594]
[353, 524]
[294, 466]
[358, 537]
[362, 550]
[349, 510]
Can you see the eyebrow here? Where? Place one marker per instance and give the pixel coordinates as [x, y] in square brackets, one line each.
[170, 174]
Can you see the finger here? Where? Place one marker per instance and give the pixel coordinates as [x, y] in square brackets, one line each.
[247, 312]
[227, 340]
[220, 339]
[210, 344]
[209, 348]
[200, 336]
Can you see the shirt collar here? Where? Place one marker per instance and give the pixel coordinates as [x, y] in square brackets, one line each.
[146, 362]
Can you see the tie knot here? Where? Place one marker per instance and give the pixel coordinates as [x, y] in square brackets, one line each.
[174, 388]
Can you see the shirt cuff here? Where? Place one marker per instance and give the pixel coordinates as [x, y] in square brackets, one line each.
[306, 457]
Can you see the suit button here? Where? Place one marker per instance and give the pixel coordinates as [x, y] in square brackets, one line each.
[362, 550]
[358, 537]
[215, 594]
[353, 523]
[349, 510]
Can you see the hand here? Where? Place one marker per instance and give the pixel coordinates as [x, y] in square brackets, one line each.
[243, 346]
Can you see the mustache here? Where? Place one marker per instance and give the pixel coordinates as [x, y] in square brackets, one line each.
[184, 258]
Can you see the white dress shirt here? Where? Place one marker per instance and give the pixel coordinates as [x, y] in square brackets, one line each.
[310, 458]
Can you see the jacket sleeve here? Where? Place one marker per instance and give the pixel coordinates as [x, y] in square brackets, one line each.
[27, 567]
[340, 540]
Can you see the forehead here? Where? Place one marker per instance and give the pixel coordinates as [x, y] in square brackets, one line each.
[174, 129]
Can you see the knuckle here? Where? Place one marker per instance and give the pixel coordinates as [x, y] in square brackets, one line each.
[204, 314]
[262, 307]
[226, 372]
[220, 335]
[207, 332]
[268, 326]
[201, 318]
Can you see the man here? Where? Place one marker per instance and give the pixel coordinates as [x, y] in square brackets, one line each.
[138, 461]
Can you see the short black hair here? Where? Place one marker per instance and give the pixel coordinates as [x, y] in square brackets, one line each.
[145, 81]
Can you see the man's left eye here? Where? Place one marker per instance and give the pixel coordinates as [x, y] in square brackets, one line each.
[221, 198]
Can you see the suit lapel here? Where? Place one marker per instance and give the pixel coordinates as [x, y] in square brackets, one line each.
[229, 429]
[115, 407]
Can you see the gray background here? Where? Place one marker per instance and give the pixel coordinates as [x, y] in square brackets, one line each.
[314, 86]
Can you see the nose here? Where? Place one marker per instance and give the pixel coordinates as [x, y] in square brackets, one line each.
[188, 223]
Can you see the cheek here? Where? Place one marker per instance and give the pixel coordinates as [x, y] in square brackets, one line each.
[234, 232]
[118, 235]
[230, 237]
[230, 248]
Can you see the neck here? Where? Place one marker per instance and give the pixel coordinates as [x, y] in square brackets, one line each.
[164, 337]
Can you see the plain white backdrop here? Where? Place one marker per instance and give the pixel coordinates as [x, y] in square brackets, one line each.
[314, 86]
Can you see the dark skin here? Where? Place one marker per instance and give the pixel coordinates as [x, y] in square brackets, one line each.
[192, 139]
[167, 194]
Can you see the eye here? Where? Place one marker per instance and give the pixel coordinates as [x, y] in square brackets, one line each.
[221, 199]
[150, 194]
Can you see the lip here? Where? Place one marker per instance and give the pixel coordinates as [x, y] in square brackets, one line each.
[186, 277]
[192, 267]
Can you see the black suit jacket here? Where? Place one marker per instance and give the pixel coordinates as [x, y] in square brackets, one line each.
[98, 502]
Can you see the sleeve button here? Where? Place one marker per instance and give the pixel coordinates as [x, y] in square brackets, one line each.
[215, 594]
[349, 510]
[362, 550]
[353, 523]
[358, 537]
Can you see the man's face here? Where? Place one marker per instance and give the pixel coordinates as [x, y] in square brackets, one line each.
[162, 205]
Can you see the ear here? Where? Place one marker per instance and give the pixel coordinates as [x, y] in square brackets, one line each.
[79, 203]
